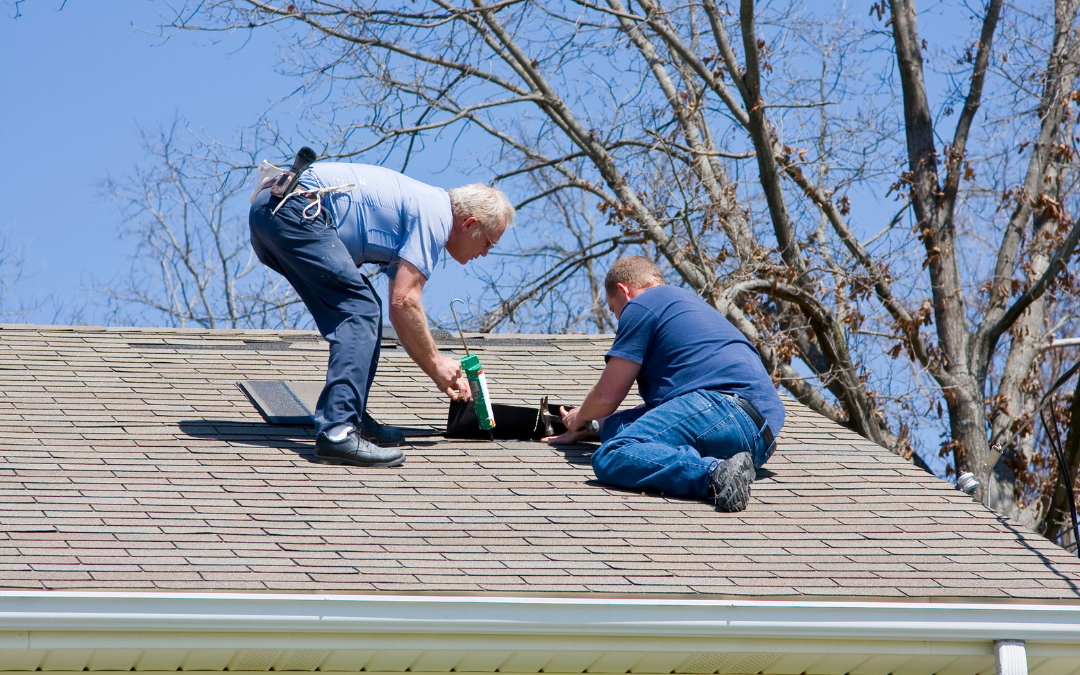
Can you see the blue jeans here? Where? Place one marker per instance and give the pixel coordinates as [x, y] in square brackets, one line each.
[346, 309]
[673, 447]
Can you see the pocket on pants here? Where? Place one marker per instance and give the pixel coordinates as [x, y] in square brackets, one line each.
[724, 439]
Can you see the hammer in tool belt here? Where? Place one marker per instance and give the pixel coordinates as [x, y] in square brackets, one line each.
[287, 181]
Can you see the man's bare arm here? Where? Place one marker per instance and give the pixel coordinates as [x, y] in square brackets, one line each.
[606, 395]
[409, 320]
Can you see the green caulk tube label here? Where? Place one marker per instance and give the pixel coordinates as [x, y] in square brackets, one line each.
[478, 384]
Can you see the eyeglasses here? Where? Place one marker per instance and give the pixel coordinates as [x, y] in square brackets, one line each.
[490, 244]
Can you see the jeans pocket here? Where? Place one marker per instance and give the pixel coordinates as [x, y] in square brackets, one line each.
[726, 438]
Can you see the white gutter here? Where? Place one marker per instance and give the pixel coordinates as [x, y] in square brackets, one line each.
[582, 621]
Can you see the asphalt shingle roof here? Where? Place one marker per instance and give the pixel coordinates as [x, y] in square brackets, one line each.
[132, 460]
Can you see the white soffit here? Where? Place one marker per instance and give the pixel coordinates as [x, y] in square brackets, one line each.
[166, 632]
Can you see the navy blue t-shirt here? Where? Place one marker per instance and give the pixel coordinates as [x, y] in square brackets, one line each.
[684, 345]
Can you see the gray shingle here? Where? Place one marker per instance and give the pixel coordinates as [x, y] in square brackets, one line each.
[146, 467]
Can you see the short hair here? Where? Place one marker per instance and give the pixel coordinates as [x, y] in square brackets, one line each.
[633, 270]
[487, 204]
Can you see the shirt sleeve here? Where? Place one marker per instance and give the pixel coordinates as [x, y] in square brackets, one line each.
[426, 233]
[634, 335]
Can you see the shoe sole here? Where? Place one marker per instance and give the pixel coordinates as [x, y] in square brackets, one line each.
[734, 499]
[736, 493]
[749, 470]
[319, 459]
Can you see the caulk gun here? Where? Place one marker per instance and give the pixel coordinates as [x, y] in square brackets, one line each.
[477, 382]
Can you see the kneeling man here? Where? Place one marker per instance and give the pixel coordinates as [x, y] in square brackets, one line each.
[711, 411]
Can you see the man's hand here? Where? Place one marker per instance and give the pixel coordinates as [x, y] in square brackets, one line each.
[451, 380]
[571, 435]
[603, 399]
[568, 438]
[570, 418]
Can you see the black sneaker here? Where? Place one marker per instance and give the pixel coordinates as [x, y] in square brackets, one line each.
[380, 434]
[729, 483]
[356, 451]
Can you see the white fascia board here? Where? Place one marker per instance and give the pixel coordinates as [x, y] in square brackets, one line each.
[599, 621]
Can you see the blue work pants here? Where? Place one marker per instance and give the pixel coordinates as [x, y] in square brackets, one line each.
[346, 309]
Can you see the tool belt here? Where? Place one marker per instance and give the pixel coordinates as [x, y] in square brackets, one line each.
[762, 424]
[284, 184]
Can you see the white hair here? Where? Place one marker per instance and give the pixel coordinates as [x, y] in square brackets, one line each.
[487, 204]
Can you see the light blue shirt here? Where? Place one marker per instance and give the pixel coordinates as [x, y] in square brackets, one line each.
[387, 217]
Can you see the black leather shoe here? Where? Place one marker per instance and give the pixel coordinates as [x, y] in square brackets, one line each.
[380, 434]
[729, 483]
[356, 451]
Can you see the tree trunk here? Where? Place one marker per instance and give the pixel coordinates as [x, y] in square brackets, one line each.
[1058, 518]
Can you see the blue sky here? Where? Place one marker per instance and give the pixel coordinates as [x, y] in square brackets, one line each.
[85, 78]
[79, 80]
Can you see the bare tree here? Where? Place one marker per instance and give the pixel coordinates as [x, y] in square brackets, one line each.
[554, 282]
[755, 149]
[14, 270]
[193, 264]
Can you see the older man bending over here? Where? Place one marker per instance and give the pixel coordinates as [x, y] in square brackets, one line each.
[344, 215]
